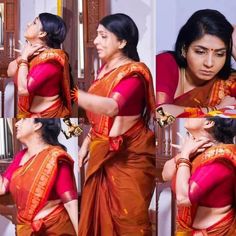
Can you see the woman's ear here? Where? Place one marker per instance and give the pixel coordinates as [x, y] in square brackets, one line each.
[209, 124]
[122, 44]
[37, 126]
[42, 34]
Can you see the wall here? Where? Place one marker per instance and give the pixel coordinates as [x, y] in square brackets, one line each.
[171, 16]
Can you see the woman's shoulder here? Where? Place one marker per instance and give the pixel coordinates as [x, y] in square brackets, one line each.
[168, 55]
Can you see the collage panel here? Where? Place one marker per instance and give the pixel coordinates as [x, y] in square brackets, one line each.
[195, 73]
[39, 176]
[196, 182]
[117, 119]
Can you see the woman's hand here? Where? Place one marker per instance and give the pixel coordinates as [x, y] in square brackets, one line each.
[234, 42]
[84, 152]
[191, 145]
[30, 50]
[182, 143]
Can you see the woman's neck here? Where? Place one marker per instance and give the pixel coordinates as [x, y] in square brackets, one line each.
[116, 61]
[36, 41]
[192, 80]
[197, 134]
[34, 146]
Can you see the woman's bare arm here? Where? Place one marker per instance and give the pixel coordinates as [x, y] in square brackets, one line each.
[72, 209]
[98, 104]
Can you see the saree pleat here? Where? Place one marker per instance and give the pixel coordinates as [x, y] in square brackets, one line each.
[56, 223]
[119, 187]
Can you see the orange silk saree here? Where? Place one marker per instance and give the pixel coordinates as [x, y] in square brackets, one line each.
[120, 174]
[61, 107]
[30, 187]
[185, 216]
[208, 95]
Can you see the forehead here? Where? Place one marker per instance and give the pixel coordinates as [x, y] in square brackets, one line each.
[209, 41]
[102, 29]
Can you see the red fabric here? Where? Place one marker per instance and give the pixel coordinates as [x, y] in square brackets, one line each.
[64, 180]
[167, 75]
[132, 99]
[215, 185]
[45, 78]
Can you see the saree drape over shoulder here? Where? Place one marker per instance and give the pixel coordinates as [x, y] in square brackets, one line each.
[30, 187]
[62, 106]
[185, 216]
[120, 174]
[169, 75]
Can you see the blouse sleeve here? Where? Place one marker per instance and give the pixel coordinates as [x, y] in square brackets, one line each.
[167, 76]
[206, 178]
[65, 185]
[39, 75]
[130, 96]
[14, 165]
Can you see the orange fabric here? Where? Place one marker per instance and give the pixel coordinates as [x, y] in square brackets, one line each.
[103, 87]
[119, 185]
[47, 225]
[31, 183]
[185, 216]
[208, 95]
[24, 102]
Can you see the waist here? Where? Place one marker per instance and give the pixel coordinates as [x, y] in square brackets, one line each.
[48, 208]
[206, 216]
[132, 131]
[40, 103]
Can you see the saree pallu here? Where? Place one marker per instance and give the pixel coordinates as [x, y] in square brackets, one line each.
[57, 110]
[24, 101]
[104, 86]
[208, 95]
[56, 223]
[32, 183]
[185, 216]
[119, 185]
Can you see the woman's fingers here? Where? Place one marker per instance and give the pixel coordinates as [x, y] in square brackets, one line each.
[175, 146]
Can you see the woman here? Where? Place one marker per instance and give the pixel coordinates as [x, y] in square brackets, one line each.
[120, 174]
[42, 71]
[41, 181]
[204, 178]
[196, 78]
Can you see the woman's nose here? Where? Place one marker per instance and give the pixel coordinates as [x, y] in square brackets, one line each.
[209, 60]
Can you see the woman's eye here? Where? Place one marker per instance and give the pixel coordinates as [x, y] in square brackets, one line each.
[200, 52]
[220, 54]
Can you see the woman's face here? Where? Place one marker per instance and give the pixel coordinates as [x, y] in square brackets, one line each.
[33, 29]
[25, 128]
[206, 57]
[107, 44]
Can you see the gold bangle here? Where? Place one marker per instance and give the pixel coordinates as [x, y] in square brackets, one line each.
[183, 160]
[183, 164]
[22, 61]
[22, 64]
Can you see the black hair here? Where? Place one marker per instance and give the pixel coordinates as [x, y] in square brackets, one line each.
[125, 29]
[55, 28]
[203, 22]
[50, 130]
[224, 129]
